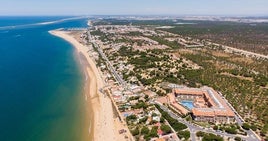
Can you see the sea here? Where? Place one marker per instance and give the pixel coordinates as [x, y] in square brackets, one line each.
[41, 81]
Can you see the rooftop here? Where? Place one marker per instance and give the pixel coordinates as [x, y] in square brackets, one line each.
[218, 106]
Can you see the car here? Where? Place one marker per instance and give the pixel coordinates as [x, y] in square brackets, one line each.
[122, 131]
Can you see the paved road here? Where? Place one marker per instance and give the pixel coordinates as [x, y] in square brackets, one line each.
[240, 120]
[195, 128]
[109, 64]
[244, 52]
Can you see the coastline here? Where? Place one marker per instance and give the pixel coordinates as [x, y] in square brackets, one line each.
[103, 125]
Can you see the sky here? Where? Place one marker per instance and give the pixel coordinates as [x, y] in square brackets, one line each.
[135, 7]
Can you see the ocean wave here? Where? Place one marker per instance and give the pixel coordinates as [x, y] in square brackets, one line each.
[39, 24]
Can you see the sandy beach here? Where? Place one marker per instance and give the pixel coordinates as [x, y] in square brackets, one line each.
[104, 125]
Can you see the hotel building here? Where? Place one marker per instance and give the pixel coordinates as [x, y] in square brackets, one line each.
[204, 104]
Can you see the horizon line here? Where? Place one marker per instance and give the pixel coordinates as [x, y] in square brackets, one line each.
[171, 15]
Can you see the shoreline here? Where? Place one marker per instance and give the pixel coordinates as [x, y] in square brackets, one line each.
[99, 107]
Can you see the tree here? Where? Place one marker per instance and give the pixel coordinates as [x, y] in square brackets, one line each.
[173, 122]
[147, 98]
[162, 120]
[143, 120]
[178, 126]
[231, 130]
[254, 127]
[237, 139]
[184, 134]
[212, 137]
[166, 129]
[147, 137]
[135, 132]
[215, 127]
[200, 134]
[131, 117]
[145, 130]
[245, 126]
[154, 115]
[153, 132]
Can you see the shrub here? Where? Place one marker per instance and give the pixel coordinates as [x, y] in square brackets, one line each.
[237, 139]
[166, 129]
[245, 126]
[145, 130]
[184, 134]
[212, 137]
[200, 134]
[153, 132]
[135, 132]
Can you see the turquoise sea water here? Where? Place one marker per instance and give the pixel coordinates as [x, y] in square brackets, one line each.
[40, 82]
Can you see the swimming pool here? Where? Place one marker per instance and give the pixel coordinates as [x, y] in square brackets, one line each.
[188, 104]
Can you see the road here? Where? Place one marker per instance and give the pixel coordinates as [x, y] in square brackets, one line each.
[118, 78]
[240, 120]
[244, 52]
[195, 128]
[251, 136]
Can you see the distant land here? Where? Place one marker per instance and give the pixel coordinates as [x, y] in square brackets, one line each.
[242, 19]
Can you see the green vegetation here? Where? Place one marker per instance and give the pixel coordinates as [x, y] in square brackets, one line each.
[231, 129]
[165, 128]
[176, 125]
[239, 35]
[184, 134]
[212, 137]
[134, 22]
[253, 97]
[200, 134]
[145, 130]
[153, 132]
[242, 80]
[246, 126]
[100, 60]
[101, 35]
[208, 136]
[155, 60]
[160, 40]
[143, 120]
[140, 104]
[135, 132]
[237, 139]
[264, 129]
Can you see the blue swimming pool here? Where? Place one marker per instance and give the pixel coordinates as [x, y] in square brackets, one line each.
[188, 104]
